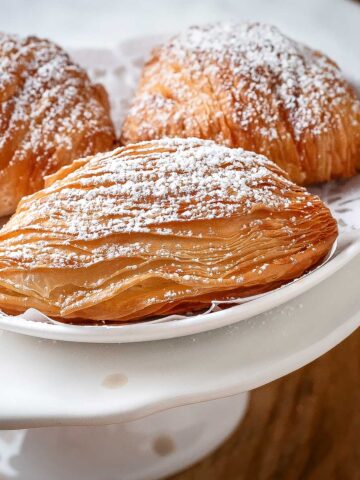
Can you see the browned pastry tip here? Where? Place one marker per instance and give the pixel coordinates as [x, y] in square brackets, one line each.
[50, 114]
[250, 86]
[158, 228]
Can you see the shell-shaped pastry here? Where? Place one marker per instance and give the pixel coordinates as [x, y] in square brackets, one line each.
[50, 114]
[157, 228]
[250, 86]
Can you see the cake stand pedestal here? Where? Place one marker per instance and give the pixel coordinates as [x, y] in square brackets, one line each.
[149, 448]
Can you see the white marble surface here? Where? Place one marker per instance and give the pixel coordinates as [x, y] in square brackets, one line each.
[331, 25]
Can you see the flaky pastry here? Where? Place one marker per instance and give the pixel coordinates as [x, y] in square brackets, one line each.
[50, 114]
[250, 86]
[158, 228]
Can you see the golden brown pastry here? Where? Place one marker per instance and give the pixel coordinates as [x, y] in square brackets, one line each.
[50, 114]
[250, 86]
[157, 228]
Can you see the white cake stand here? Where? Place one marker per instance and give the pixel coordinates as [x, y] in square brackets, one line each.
[58, 384]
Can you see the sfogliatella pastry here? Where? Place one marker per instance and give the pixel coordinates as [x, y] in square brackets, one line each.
[157, 228]
[50, 114]
[250, 86]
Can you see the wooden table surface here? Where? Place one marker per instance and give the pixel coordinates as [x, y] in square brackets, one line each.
[304, 426]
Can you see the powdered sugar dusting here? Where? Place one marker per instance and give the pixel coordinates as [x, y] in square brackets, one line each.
[271, 78]
[269, 63]
[149, 186]
[50, 111]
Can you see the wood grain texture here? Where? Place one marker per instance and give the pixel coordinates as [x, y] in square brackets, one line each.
[305, 426]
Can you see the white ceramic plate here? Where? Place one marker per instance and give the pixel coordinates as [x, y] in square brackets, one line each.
[119, 69]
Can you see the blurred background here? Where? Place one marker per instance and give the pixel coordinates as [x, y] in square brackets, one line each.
[327, 24]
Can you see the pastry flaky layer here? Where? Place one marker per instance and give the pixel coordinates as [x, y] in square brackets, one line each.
[156, 228]
[250, 86]
[50, 114]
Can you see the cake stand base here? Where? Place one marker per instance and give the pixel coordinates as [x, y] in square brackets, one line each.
[150, 448]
